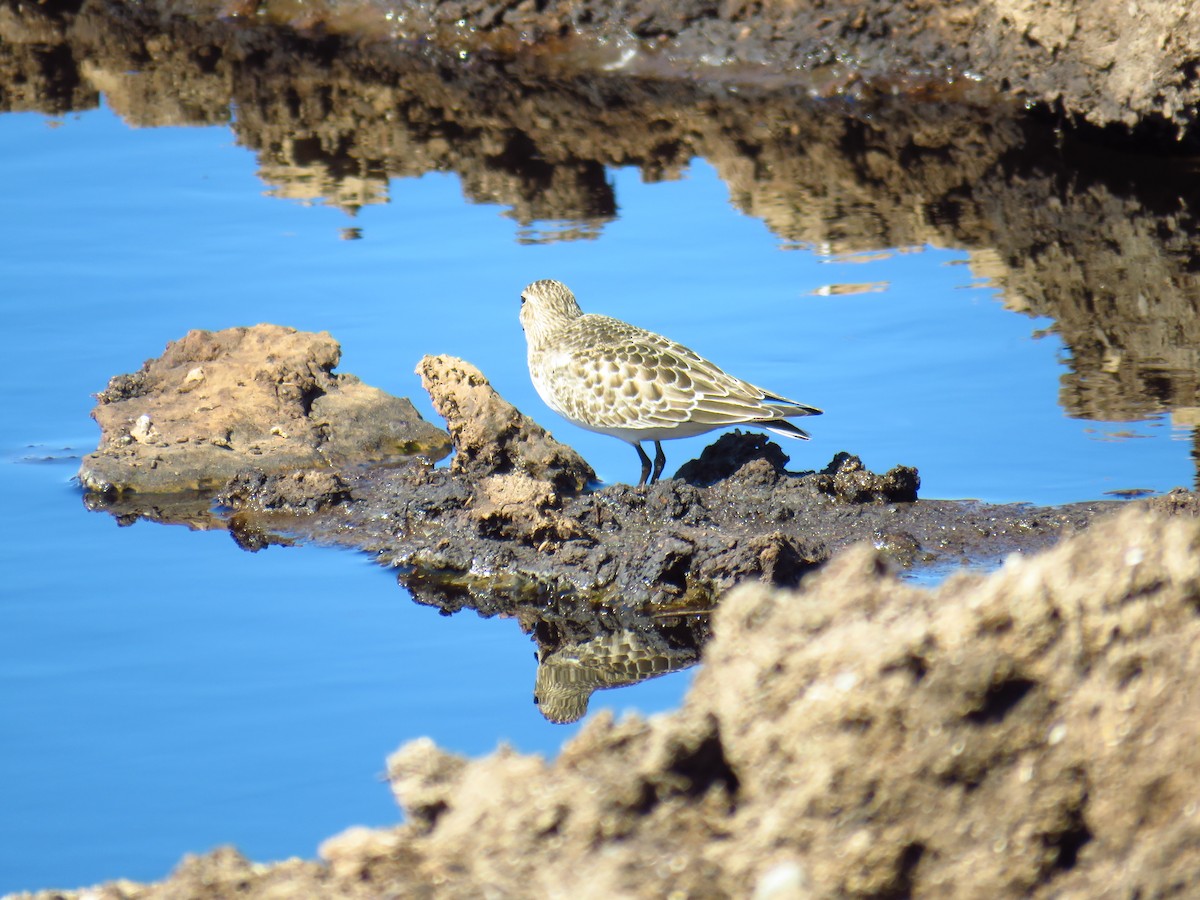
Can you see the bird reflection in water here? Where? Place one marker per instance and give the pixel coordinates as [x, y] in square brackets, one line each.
[569, 675]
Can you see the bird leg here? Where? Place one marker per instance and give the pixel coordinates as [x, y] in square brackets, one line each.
[645, 463]
[660, 460]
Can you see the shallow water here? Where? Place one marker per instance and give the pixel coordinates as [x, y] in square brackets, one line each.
[164, 692]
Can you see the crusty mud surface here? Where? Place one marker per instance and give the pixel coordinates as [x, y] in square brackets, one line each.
[1027, 733]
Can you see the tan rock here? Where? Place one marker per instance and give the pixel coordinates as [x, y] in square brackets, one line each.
[493, 437]
[216, 403]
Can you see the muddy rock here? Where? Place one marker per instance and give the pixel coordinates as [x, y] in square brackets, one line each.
[509, 523]
[1177, 502]
[301, 491]
[215, 403]
[508, 528]
[518, 507]
[850, 481]
[491, 436]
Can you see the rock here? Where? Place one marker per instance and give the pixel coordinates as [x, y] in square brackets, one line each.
[351, 854]
[265, 397]
[422, 772]
[522, 508]
[847, 479]
[508, 526]
[493, 437]
[729, 453]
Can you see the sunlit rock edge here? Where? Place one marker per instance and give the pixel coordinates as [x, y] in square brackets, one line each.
[1027, 733]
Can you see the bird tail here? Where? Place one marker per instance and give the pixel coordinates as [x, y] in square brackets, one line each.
[787, 429]
[791, 408]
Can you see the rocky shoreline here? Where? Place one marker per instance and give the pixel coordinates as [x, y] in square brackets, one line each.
[515, 525]
[1027, 732]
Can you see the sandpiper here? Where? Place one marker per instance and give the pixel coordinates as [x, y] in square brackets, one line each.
[614, 378]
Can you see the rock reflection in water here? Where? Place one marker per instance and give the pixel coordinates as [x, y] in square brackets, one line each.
[193, 510]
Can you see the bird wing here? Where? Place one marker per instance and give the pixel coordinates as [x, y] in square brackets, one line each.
[617, 386]
[610, 374]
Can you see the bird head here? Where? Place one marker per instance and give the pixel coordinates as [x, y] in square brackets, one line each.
[546, 306]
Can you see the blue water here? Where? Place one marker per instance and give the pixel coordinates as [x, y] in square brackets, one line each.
[163, 692]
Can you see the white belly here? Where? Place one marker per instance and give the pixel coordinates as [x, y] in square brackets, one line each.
[636, 435]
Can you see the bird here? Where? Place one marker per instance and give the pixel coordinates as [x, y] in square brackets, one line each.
[615, 378]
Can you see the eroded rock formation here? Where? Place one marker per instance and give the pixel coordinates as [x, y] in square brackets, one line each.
[217, 402]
